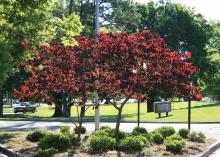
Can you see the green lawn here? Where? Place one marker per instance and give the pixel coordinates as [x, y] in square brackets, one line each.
[201, 112]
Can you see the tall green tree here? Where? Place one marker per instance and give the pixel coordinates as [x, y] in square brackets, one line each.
[35, 22]
[183, 30]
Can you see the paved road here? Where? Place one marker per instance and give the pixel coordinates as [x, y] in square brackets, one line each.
[211, 130]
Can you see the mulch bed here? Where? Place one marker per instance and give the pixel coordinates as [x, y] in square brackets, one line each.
[18, 143]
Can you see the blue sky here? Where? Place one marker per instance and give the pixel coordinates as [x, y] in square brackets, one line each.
[209, 8]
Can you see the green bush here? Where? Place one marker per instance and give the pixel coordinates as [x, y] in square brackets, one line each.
[45, 152]
[65, 129]
[36, 135]
[174, 143]
[140, 131]
[196, 137]
[157, 137]
[101, 143]
[111, 132]
[166, 131]
[77, 130]
[57, 141]
[133, 143]
[183, 132]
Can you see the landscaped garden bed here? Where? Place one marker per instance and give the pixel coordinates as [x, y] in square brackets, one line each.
[164, 141]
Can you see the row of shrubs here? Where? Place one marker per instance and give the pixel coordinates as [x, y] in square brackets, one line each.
[50, 143]
[104, 139]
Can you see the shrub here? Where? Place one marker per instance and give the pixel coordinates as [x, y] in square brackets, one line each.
[36, 135]
[184, 132]
[166, 131]
[157, 137]
[166, 153]
[65, 129]
[57, 141]
[197, 137]
[133, 143]
[174, 143]
[111, 132]
[101, 143]
[45, 152]
[77, 130]
[140, 131]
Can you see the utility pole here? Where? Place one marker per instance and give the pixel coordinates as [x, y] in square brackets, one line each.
[97, 117]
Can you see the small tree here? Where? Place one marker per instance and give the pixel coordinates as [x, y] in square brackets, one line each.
[134, 66]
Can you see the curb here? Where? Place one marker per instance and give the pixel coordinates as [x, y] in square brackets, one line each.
[8, 152]
[210, 150]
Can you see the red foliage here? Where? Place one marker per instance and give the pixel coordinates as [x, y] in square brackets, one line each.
[118, 65]
[139, 64]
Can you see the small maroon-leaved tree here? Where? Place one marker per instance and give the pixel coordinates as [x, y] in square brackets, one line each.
[134, 66]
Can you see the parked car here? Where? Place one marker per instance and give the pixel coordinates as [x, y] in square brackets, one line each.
[15, 103]
[25, 107]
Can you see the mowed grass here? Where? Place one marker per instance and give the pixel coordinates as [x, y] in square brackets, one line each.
[201, 112]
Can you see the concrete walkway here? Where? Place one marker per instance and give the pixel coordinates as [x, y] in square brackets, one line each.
[211, 130]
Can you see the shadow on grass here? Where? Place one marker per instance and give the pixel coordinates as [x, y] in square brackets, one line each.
[201, 106]
[5, 137]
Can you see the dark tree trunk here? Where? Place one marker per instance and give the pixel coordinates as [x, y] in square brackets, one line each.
[82, 114]
[58, 110]
[67, 110]
[1, 102]
[150, 104]
[71, 7]
[107, 101]
[118, 123]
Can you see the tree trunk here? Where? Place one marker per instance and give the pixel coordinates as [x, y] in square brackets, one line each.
[118, 123]
[67, 110]
[150, 104]
[107, 101]
[58, 110]
[82, 114]
[1, 102]
[71, 7]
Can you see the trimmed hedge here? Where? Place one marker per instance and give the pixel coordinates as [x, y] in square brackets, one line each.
[77, 130]
[45, 152]
[57, 141]
[183, 132]
[197, 137]
[140, 131]
[133, 143]
[65, 130]
[101, 143]
[174, 144]
[36, 135]
[156, 137]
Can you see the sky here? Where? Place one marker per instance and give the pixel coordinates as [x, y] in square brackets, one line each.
[210, 9]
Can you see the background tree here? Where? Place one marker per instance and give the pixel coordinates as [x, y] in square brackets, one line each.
[35, 22]
[183, 30]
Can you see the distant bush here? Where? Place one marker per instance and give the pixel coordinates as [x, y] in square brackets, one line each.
[140, 131]
[77, 130]
[65, 129]
[36, 135]
[101, 143]
[133, 143]
[45, 152]
[166, 131]
[57, 141]
[174, 143]
[183, 132]
[156, 137]
[197, 137]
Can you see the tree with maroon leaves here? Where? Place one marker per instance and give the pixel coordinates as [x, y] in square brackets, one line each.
[57, 71]
[134, 66]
